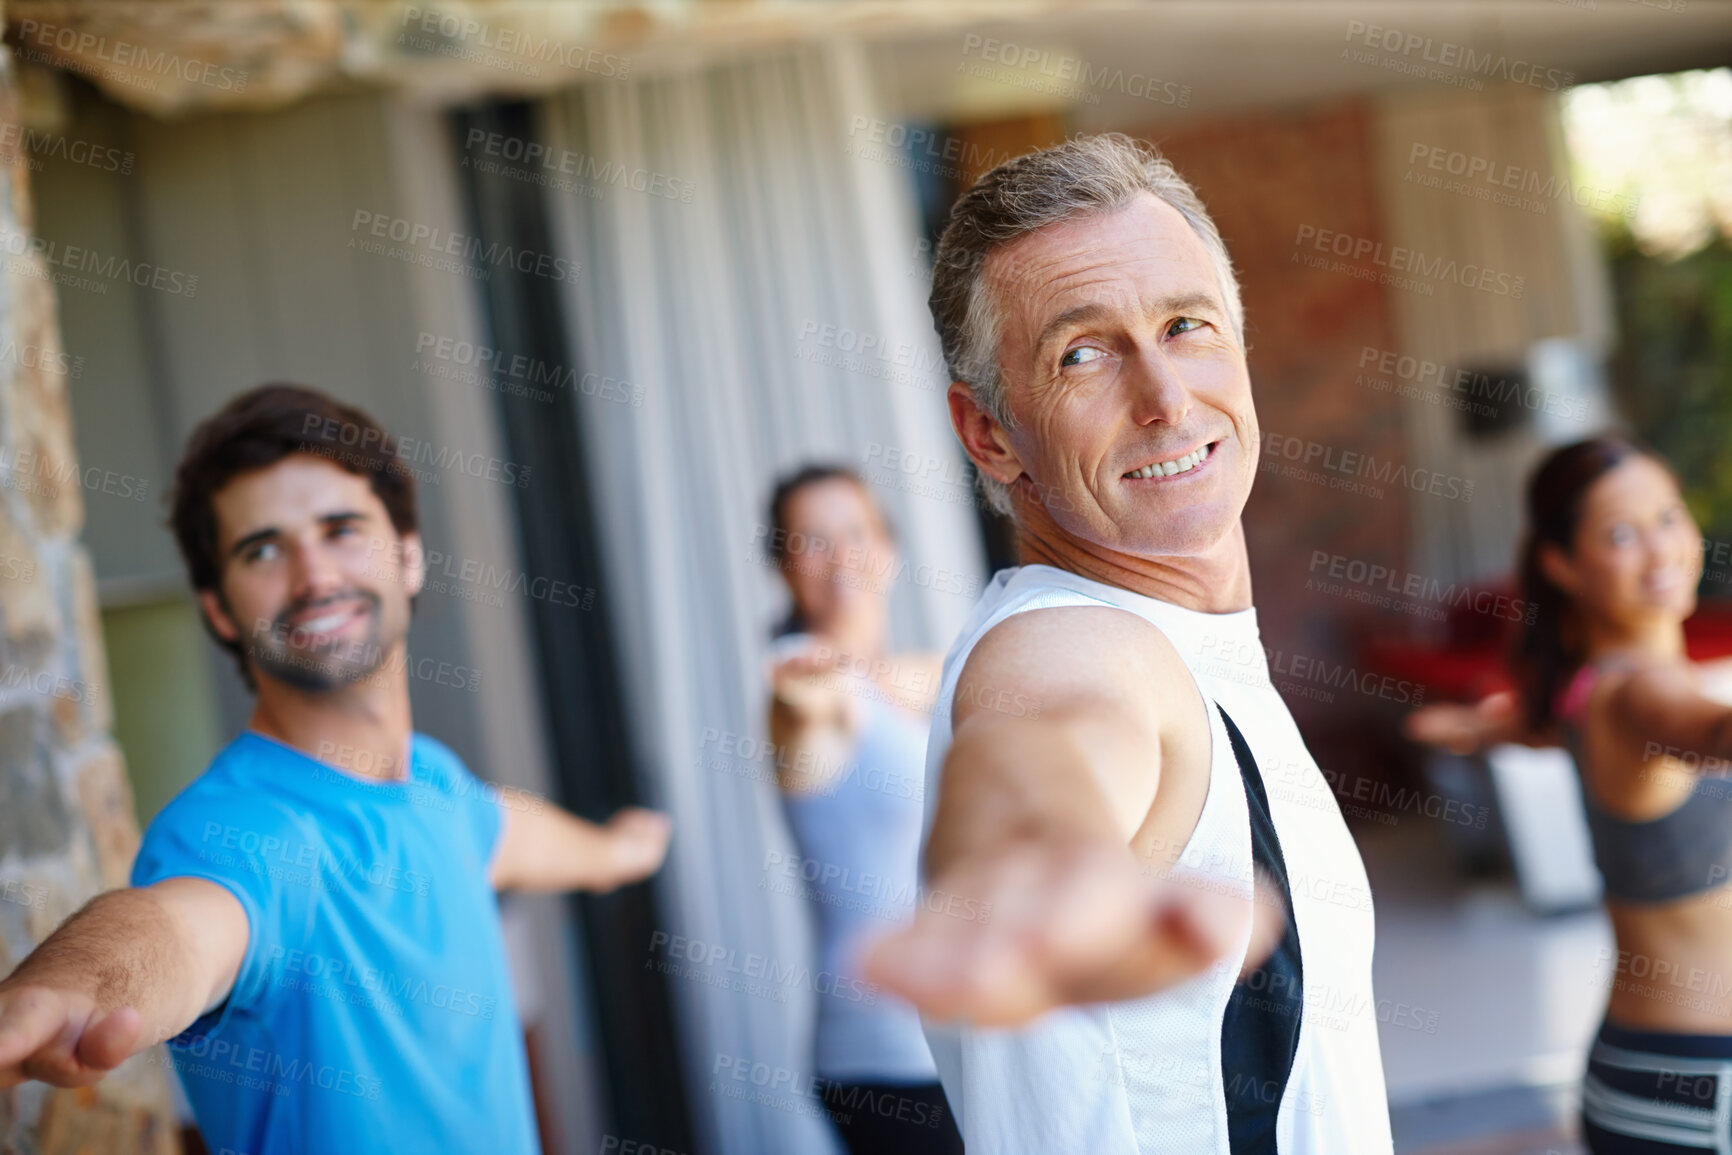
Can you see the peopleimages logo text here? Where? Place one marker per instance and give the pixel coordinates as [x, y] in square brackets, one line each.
[1400, 259]
[1458, 57]
[86, 46]
[435, 240]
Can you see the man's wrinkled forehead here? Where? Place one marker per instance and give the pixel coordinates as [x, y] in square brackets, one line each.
[1121, 260]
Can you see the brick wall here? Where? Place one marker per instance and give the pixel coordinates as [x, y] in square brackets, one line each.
[67, 829]
[1263, 175]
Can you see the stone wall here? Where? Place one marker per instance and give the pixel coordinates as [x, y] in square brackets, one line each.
[67, 829]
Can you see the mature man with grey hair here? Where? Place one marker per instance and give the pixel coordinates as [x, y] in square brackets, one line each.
[1111, 773]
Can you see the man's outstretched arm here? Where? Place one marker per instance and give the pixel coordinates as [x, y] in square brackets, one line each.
[1034, 895]
[542, 847]
[133, 968]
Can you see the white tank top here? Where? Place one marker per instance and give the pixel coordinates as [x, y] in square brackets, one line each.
[1143, 1076]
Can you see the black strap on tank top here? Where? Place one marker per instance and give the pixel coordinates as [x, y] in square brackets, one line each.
[1260, 1030]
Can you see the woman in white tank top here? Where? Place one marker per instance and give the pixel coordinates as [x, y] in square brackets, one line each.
[850, 721]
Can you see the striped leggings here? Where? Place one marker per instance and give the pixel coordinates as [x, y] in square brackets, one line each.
[1657, 1093]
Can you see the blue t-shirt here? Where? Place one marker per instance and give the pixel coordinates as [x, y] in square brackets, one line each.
[373, 1010]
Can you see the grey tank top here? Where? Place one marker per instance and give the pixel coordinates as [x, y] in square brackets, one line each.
[1680, 853]
[859, 841]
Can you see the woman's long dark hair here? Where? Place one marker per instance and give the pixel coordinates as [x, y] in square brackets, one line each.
[1547, 649]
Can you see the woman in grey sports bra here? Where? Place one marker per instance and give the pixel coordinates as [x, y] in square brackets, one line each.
[1611, 563]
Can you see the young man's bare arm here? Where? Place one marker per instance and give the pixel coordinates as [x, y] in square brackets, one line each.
[542, 847]
[133, 968]
[1034, 897]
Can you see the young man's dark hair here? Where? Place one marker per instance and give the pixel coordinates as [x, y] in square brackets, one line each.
[256, 430]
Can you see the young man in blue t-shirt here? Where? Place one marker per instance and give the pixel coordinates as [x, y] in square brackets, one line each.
[312, 922]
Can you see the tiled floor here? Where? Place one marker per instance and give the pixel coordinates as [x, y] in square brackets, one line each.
[1507, 1122]
[1486, 1009]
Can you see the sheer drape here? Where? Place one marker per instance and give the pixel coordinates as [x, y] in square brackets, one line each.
[721, 279]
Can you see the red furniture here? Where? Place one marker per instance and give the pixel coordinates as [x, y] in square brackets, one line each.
[1472, 666]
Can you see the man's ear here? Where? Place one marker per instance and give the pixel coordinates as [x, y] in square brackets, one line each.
[217, 614]
[982, 437]
[1559, 569]
[414, 562]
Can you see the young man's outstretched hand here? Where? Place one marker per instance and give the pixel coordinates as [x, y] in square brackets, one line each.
[545, 848]
[134, 967]
[60, 1037]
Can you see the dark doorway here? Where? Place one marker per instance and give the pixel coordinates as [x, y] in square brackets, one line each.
[575, 659]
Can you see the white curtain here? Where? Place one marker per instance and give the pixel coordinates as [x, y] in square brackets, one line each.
[716, 307]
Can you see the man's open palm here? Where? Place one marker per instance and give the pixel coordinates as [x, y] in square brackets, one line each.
[999, 942]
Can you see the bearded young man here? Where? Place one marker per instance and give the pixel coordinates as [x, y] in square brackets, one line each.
[313, 921]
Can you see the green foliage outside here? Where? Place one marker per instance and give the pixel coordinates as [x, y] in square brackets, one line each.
[1672, 371]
